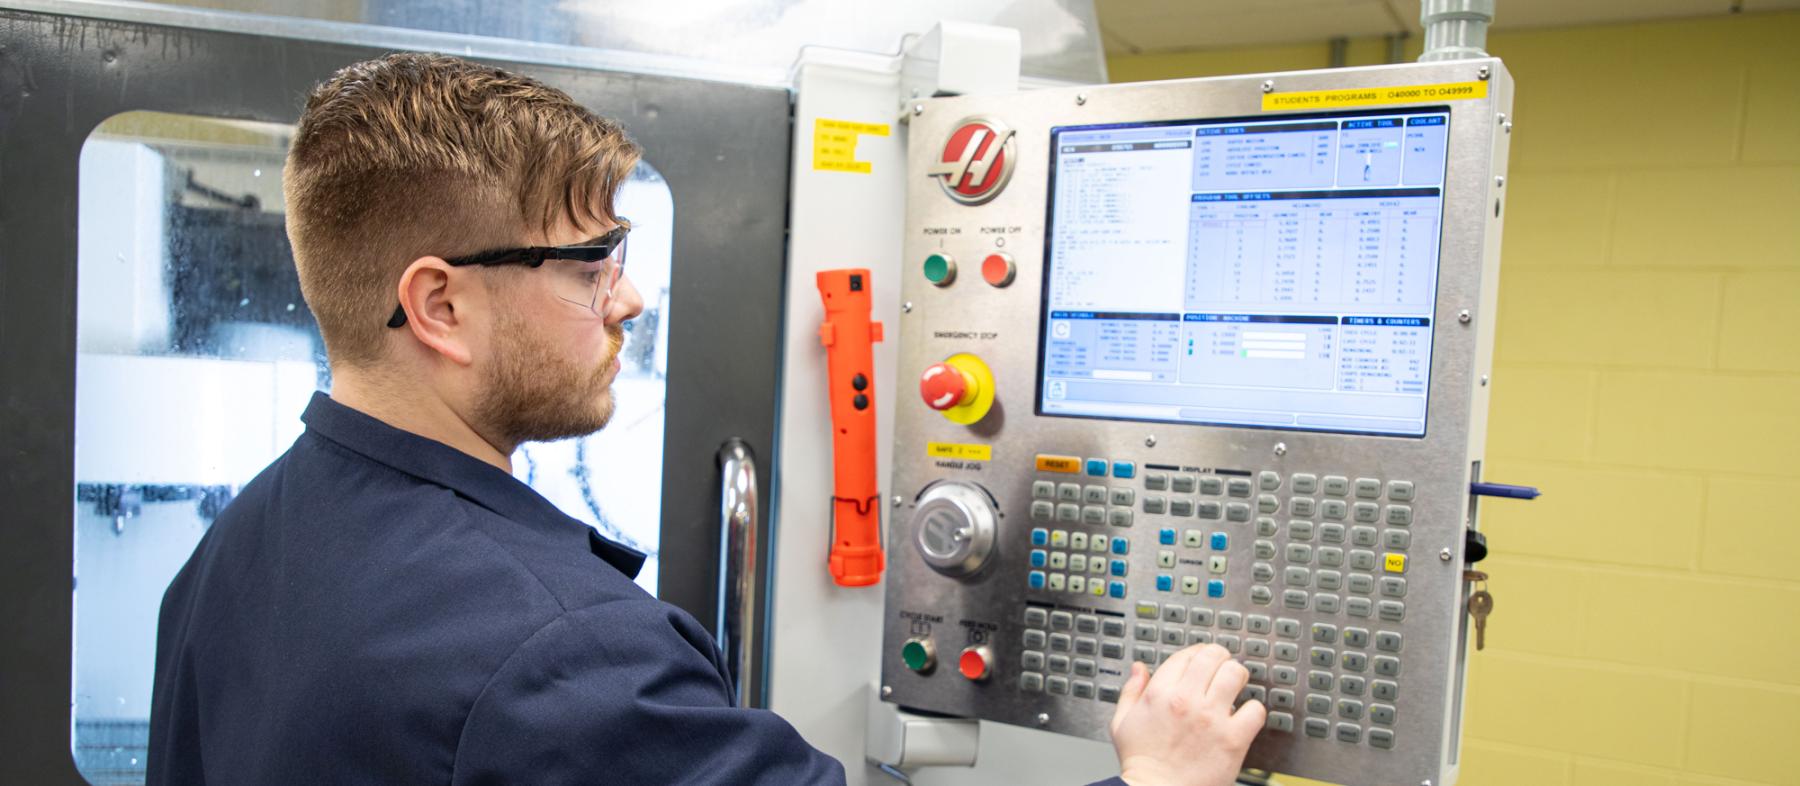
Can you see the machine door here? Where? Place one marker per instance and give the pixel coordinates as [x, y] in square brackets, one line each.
[155, 353]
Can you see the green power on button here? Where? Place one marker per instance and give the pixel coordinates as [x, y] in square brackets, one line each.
[917, 654]
[940, 269]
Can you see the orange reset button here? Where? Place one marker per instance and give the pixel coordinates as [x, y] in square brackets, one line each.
[1069, 464]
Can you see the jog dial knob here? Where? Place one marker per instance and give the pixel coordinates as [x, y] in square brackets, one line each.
[955, 525]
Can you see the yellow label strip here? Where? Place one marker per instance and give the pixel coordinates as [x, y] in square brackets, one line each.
[1374, 96]
[953, 450]
[834, 144]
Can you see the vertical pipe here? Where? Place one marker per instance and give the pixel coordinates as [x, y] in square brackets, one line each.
[1396, 46]
[1340, 52]
[1455, 29]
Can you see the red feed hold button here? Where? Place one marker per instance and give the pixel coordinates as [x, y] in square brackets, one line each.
[943, 386]
[974, 663]
[998, 269]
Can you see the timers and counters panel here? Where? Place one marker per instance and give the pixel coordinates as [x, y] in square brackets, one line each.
[1174, 388]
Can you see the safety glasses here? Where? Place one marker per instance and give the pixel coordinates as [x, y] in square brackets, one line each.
[585, 274]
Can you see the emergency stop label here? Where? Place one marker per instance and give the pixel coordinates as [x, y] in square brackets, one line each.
[1374, 96]
[834, 144]
[954, 450]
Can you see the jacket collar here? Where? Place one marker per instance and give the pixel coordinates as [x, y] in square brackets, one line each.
[438, 463]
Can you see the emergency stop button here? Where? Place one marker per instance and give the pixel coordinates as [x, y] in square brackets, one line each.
[998, 269]
[974, 663]
[944, 386]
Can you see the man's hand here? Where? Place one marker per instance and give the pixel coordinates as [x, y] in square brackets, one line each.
[1177, 728]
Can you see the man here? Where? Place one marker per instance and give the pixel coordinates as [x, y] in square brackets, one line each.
[386, 604]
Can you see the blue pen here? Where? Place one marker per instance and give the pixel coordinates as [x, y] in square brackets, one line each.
[1504, 490]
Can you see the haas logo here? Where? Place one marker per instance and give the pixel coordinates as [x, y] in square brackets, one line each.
[976, 162]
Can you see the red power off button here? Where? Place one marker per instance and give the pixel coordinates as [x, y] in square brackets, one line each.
[974, 663]
[997, 269]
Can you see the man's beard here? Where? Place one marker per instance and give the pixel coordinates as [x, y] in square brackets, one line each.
[532, 395]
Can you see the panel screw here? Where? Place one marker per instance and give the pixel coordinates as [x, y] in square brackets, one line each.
[1043, 719]
[1268, 85]
[1150, 441]
[906, 307]
[1482, 75]
[1500, 118]
[1080, 99]
[1464, 317]
[918, 109]
[887, 690]
[1281, 448]
[1445, 556]
[1484, 378]
[898, 500]
[1506, 126]
[1499, 181]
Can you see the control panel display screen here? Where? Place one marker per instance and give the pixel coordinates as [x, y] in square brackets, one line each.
[1272, 272]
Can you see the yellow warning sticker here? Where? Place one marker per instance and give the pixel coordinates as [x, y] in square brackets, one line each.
[834, 144]
[953, 450]
[1374, 96]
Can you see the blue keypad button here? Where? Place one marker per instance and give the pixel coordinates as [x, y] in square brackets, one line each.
[1166, 537]
[1038, 558]
[1165, 583]
[1124, 469]
[1096, 467]
[1215, 588]
[1036, 579]
[1040, 537]
[1118, 567]
[1121, 546]
[1218, 541]
[1117, 589]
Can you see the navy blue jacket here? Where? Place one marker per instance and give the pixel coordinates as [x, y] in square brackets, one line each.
[379, 608]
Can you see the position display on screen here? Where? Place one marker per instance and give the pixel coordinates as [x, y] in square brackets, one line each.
[1264, 273]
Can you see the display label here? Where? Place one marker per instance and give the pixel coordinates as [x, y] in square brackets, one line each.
[953, 450]
[1374, 96]
[834, 144]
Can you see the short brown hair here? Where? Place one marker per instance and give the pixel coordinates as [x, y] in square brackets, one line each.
[412, 155]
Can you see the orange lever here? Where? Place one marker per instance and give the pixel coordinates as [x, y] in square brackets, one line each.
[849, 338]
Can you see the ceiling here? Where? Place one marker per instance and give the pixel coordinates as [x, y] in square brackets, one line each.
[1134, 26]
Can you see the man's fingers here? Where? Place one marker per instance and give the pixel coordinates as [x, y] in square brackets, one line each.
[1248, 721]
[1132, 691]
[1227, 682]
[1169, 673]
[1206, 660]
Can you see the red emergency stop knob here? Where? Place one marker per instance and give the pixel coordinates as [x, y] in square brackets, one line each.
[944, 386]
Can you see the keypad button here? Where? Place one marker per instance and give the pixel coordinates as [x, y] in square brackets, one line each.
[1068, 492]
[1350, 708]
[1165, 558]
[1215, 588]
[1122, 496]
[1190, 585]
[1183, 484]
[1148, 609]
[1261, 595]
[1299, 553]
[1144, 631]
[1318, 704]
[1391, 610]
[1304, 507]
[1396, 539]
[1318, 727]
[1193, 538]
[1280, 721]
[1093, 495]
[1296, 576]
[1287, 628]
[1381, 738]
[1166, 536]
[1368, 488]
[1326, 603]
[1199, 637]
[1382, 714]
[1356, 637]
[1329, 580]
[1320, 680]
[1237, 511]
[1306, 483]
[1061, 620]
[1061, 642]
[1300, 530]
[1154, 504]
[1334, 509]
[1266, 527]
[1087, 646]
[1359, 607]
[1059, 560]
[1267, 503]
[1393, 587]
[1119, 567]
[1387, 666]
[1043, 489]
[1156, 481]
[1040, 537]
[1262, 572]
[1259, 671]
[1400, 490]
[1287, 650]
[1039, 558]
[1112, 649]
[1035, 579]
[1124, 469]
[1032, 660]
[1211, 486]
[1284, 675]
[1112, 627]
[1059, 663]
[1210, 510]
[1281, 698]
[1042, 511]
[1230, 642]
[1337, 485]
[1174, 636]
[1231, 620]
[1109, 694]
[1238, 487]
[1324, 633]
[1120, 546]
[1268, 480]
[1331, 533]
[1082, 689]
[1398, 516]
[1078, 540]
[1216, 564]
[1093, 515]
[1068, 512]
[1362, 560]
[1200, 617]
[1387, 641]
[1384, 690]
[1219, 541]
[1036, 617]
[1258, 624]
[1165, 583]
[1365, 512]
[1355, 661]
[1057, 685]
[1096, 467]
[1031, 682]
[1181, 507]
[1331, 556]
[1362, 583]
[1393, 563]
[1175, 613]
[1351, 685]
[1256, 648]
[1322, 657]
[1035, 639]
[1078, 562]
[1295, 599]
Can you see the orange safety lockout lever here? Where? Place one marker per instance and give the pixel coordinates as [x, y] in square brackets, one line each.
[849, 338]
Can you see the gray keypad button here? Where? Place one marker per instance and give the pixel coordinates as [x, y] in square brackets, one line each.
[1368, 488]
[1093, 515]
[1256, 648]
[1359, 607]
[1031, 682]
[1181, 507]
[1212, 486]
[1287, 628]
[1331, 533]
[1266, 527]
[1174, 613]
[1231, 620]
[1061, 642]
[1398, 516]
[1384, 690]
[1144, 655]
[1043, 489]
[1035, 617]
[1262, 595]
[1109, 694]
[1144, 631]
[1382, 714]
[1363, 536]
[1183, 484]
[1337, 485]
[1262, 572]
[1174, 637]
[1362, 559]
[1264, 549]
[1288, 651]
[1322, 657]
[1042, 511]
[1331, 556]
[1068, 513]
[1356, 637]
[1112, 627]
[1034, 639]
[1112, 649]
[1087, 623]
[1387, 666]
[1330, 580]
[1200, 617]
[1259, 624]
[1400, 490]
[1119, 517]
[1210, 510]
[1059, 663]
[1324, 633]
[1306, 483]
[1058, 685]
[1304, 507]
[1082, 689]
[1381, 738]
[1279, 698]
[1318, 704]
[1087, 646]
[1365, 512]
[1154, 504]
[1032, 660]
[1320, 680]
[1318, 727]
[1396, 539]
[1350, 685]
[1267, 503]
[1326, 603]
[1356, 661]
[1232, 644]
[1300, 530]
[1094, 495]
[1156, 481]
[1387, 641]
[1061, 620]
[1084, 667]
[1122, 496]
[1299, 553]
[1393, 586]
[1351, 709]
[1334, 509]
[1268, 480]
[1391, 610]
[1259, 672]
[1256, 692]
[1284, 675]
[1199, 637]
[1362, 583]
[1238, 487]
[1069, 492]
[1280, 721]
[1237, 511]
[1349, 733]
[1295, 599]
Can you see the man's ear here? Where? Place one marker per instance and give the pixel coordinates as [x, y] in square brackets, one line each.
[431, 292]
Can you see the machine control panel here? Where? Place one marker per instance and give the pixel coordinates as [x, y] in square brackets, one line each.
[1217, 381]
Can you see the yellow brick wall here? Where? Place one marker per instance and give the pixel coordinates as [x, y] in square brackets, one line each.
[1647, 619]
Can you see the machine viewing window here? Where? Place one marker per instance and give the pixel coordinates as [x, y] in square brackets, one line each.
[1270, 272]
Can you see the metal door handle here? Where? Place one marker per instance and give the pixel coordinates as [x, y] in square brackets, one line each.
[738, 578]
